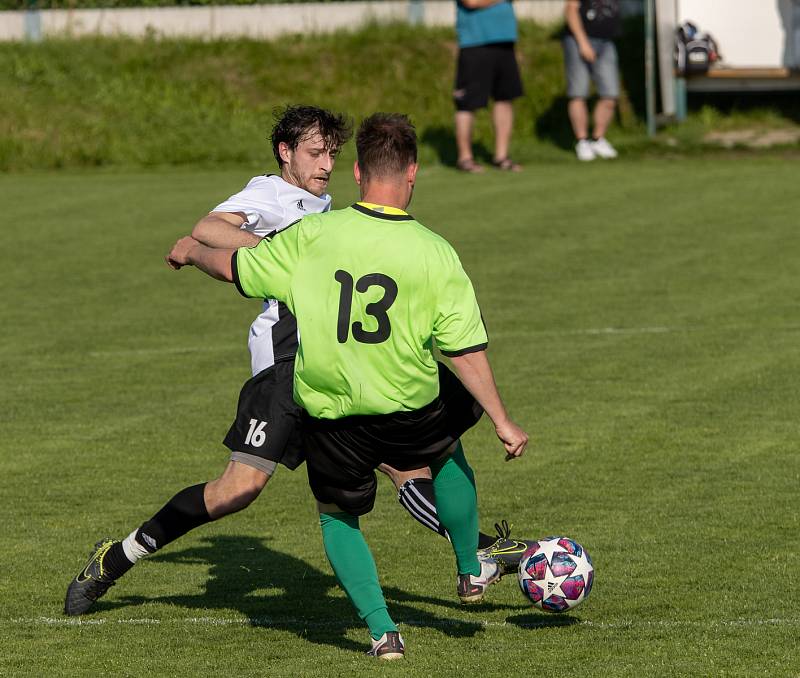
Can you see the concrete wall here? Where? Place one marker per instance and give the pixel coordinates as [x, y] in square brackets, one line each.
[750, 33]
[255, 21]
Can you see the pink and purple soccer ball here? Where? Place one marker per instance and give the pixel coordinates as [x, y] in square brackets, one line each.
[556, 574]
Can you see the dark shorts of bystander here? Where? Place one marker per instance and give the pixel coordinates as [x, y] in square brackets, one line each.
[342, 454]
[486, 71]
[266, 429]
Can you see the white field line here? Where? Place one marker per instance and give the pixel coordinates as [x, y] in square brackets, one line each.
[629, 330]
[302, 623]
[623, 331]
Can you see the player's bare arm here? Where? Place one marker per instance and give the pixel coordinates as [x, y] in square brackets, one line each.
[224, 230]
[476, 374]
[212, 261]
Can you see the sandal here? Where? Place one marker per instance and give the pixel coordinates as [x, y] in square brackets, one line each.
[507, 165]
[469, 165]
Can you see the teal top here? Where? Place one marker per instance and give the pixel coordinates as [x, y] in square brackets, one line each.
[485, 26]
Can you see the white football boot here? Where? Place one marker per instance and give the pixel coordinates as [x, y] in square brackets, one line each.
[388, 646]
[471, 588]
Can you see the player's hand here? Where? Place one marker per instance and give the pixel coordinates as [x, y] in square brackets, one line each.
[179, 254]
[587, 53]
[514, 439]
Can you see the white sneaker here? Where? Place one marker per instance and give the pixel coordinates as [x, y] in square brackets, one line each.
[388, 646]
[471, 588]
[584, 149]
[603, 149]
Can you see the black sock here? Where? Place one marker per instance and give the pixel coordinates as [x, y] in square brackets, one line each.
[185, 511]
[115, 562]
[417, 497]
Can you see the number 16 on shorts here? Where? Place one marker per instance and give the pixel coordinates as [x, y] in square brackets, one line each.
[255, 435]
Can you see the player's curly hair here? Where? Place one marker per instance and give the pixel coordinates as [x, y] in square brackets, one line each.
[386, 144]
[294, 124]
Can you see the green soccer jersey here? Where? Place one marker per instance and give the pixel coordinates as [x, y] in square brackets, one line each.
[372, 290]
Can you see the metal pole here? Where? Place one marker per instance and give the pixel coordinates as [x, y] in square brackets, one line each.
[416, 12]
[649, 65]
[33, 22]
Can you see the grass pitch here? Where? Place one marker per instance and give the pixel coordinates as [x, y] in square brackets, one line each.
[643, 322]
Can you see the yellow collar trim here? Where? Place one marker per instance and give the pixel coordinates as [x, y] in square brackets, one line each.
[383, 209]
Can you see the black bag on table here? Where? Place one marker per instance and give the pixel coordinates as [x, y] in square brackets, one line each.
[695, 51]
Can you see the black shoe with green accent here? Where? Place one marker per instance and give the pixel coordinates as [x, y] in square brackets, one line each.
[91, 582]
[506, 551]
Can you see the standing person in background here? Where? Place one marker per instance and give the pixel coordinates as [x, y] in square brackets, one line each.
[590, 54]
[487, 67]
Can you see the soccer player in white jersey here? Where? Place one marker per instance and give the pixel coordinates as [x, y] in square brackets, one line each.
[305, 142]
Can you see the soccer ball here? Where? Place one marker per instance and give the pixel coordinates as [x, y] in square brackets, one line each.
[556, 574]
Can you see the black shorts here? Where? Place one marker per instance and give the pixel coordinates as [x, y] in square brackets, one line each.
[342, 454]
[267, 420]
[484, 71]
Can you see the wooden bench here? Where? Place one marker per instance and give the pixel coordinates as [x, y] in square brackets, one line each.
[724, 79]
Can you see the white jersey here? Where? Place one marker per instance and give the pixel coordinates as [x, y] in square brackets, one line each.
[270, 204]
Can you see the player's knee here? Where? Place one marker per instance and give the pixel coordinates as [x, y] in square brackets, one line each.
[400, 477]
[235, 489]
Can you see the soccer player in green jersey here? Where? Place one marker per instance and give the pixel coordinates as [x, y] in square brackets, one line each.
[373, 291]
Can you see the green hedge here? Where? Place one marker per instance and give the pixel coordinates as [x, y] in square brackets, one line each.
[100, 102]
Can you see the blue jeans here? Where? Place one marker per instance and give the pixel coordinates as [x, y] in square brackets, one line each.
[603, 72]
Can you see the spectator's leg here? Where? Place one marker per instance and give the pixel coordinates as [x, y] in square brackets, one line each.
[605, 72]
[464, 123]
[579, 117]
[603, 115]
[503, 120]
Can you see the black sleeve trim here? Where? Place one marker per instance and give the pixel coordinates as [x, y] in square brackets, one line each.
[464, 351]
[235, 276]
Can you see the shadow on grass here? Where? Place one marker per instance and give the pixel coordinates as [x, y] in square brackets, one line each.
[553, 125]
[278, 591]
[541, 620]
[783, 104]
[442, 140]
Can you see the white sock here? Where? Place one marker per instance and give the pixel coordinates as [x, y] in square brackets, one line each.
[133, 549]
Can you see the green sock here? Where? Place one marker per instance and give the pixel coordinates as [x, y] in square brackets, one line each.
[457, 504]
[355, 570]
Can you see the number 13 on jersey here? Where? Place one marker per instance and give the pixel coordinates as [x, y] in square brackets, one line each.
[376, 309]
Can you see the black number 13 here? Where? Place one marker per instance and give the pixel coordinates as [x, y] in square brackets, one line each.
[376, 309]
